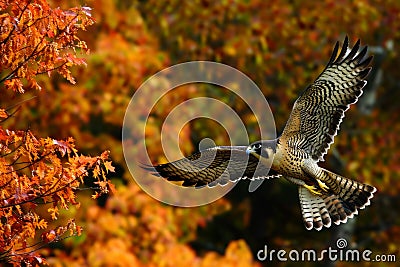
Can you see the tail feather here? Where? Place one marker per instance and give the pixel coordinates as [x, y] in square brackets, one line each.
[342, 201]
[313, 208]
[353, 195]
[338, 209]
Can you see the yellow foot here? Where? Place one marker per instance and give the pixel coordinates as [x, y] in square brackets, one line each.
[312, 189]
[322, 185]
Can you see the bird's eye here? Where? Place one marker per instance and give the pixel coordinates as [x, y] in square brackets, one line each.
[257, 146]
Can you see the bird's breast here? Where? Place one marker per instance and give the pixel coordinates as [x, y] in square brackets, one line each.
[287, 163]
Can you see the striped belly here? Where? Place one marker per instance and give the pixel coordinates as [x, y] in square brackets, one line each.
[289, 164]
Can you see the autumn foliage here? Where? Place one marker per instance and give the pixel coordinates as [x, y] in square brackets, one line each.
[36, 39]
[39, 174]
[53, 90]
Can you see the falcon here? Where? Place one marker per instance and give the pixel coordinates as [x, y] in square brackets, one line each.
[325, 196]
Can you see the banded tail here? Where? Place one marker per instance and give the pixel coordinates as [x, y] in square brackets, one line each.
[342, 201]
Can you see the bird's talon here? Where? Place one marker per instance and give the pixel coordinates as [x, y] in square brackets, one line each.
[312, 189]
[322, 185]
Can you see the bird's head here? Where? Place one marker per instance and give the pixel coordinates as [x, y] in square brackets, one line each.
[264, 149]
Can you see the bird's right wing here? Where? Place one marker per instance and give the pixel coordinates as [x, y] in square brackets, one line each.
[217, 165]
[318, 112]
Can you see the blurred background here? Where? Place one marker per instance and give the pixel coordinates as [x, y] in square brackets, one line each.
[282, 46]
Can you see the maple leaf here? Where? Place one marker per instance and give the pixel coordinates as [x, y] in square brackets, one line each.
[53, 212]
[108, 166]
[64, 147]
[15, 85]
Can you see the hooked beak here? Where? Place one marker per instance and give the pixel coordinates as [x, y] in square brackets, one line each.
[249, 150]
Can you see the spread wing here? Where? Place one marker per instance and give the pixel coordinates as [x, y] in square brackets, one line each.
[213, 166]
[318, 112]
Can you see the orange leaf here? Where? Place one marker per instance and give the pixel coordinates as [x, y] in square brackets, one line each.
[109, 167]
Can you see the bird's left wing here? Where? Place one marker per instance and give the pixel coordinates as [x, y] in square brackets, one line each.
[213, 166]
[318, 112]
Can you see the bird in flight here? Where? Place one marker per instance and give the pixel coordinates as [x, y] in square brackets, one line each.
[325, 196]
